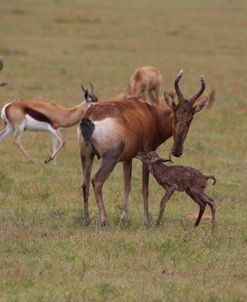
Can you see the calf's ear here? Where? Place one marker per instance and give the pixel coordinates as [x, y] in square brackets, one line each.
[201, 105]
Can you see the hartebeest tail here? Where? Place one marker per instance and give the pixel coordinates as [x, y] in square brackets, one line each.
[116, 131]
[87, 127]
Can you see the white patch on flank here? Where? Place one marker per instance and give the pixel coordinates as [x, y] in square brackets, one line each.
[34, 125]
[104, 129]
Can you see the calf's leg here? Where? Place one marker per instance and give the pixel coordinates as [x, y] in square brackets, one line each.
[200, 201]
[211, 204]
[163, 202]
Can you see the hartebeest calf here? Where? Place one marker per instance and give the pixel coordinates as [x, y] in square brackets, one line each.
[145, 82]
[179, 178]
[117, 130]
[22, 114]
[1, 67]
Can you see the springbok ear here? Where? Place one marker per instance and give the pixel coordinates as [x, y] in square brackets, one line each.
[201, 105]
[169, 100]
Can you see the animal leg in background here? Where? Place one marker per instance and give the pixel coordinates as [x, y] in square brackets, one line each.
[59, 137]
[6, 131]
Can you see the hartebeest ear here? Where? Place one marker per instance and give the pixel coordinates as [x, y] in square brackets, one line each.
[201, 105]
[169, 100]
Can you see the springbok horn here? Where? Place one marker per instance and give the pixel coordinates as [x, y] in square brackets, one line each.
[199, 93]
[178, 91]
[91, 85]
[83, 89]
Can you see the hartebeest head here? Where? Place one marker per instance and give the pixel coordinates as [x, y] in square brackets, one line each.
[89, 95]
[183, 113]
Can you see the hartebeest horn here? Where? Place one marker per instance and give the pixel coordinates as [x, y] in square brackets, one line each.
[199, 93]
[178, 91]
[82, 87]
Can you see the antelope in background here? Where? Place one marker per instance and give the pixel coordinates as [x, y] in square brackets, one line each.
[1, 67]
[116, 131]
[23, 114]
[144, 83]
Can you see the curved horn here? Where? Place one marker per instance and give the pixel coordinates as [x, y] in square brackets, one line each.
[1, 63]
[82, 87]
[91, 85]
[178, 91]
[200, 92]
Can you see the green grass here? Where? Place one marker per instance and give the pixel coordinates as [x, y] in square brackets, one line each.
[46, 252]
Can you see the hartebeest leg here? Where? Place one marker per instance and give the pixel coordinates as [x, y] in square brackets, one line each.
[87, 163]
[59, 137]
[202, 204]
[109, 161]
[163, 203]
[127, 169]
[145, 192]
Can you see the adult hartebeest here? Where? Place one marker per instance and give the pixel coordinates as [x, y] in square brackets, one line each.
[117, 130]
[22, 114]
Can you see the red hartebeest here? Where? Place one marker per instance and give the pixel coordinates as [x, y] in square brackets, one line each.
[22, 114]
[117, 130]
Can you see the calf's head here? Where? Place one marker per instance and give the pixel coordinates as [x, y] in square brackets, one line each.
[150, 158]
[184, 112]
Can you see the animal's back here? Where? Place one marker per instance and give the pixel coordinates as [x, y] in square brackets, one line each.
[129, 121]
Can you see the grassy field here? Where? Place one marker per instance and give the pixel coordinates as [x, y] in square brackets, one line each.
[46, 253]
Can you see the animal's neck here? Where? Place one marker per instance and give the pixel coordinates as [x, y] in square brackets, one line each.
[164, 118]
[158, 169]
[74, 115]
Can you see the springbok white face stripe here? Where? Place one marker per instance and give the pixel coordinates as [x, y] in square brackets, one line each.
[34, 125]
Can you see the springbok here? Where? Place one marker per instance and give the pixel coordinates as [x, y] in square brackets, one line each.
[117, 130]
[1, 67]
[23, 114]
[145, 82]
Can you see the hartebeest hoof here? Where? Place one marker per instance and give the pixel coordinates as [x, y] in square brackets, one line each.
[104, 223]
